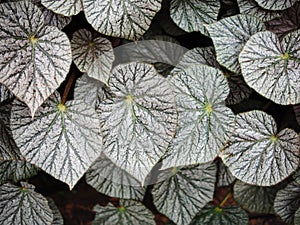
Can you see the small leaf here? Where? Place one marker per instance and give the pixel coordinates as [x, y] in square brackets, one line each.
[232, 215]
[23, 206]
[184, 191]
[251, 7]
[127, 19]
[57, 217]
[109, 179]
[129, 212]
[229, 36]
[64, 7]
[254, 198]
[297, 217]
[63, 140]
[225, 178]
[257, 153]
[139, 122]
[92, 55]
[34, 59]
[287, 202]
[276, 4]
[204, 122]
[191, 15]
[271, 67]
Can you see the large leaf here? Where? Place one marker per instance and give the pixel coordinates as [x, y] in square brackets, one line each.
[109, 179]
[232, 215]
[229, 36]
[22, 205]
[204, 122]
[63, 140]
[13, 165]
[34, 59]
[139, 122]
[251, 7]
[271, 68]
[184, 191]
[125, 19]
[258, 154]
[254, 198]
[129, 213]
[64, 7]
[276, 4]
[287, 202]
[92, 55]
[191, 15]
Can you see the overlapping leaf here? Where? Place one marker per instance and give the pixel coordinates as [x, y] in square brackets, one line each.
[22, 205]
[224, 176]
[232, 215]
[63, 140]
[287, 202]
[92, 55]
[34, 59]
[271, 67]
[139, 122]
[257, 153]
[109, 179]
[251, 7]
[5, 94]
[254, 198]
[64, 7]
[204, 122]
[125, 19]
[193, 14]
[184, 191]
[129, 212]
[276, 4]
[229, 36]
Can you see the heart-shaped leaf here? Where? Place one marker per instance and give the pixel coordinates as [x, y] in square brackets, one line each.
[229, 36]
[287, 202]
[232, 215]
[92, 55]
[204, 122]
[129, 212]
[139, 122]
[125, 19]
[184, 191]
[191, 15]
[271, 68]
[22, 205]
[34, 59]
[64, 7]
[257, 154]
[63, 140]
[109, 179]
[251, 7]
[276, 4]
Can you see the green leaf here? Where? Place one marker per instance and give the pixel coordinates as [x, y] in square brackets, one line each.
[271, 67]
[229, 36]
[109, 179]
[191, 15]
[139, 122]
[251, 7]
[57, 217]
[257, 154]
[34, 59]
[129, 212]
[212, 215]
[224, 176]
[125, 19]
[63, 140]
[64, 7]
[276, 4]
[184, 191]
[92, 55]
[287, 202]
[204, 122]
[254, 198]
[22, 205]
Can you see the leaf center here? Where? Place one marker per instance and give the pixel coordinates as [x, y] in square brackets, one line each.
[122, 209]
[33, 39]
[62, 108]
[129, 99]
[285, 56]
[274, 138]
[218, 210]
[208, 108]
[174, 170]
